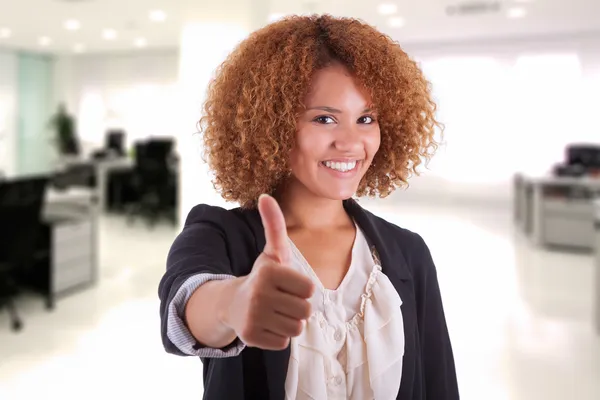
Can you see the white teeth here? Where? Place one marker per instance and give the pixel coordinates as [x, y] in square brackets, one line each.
[341, 166]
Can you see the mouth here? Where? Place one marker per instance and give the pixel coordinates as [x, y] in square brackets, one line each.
[346, 166]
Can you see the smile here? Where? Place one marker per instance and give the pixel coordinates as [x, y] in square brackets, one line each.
[340, 166]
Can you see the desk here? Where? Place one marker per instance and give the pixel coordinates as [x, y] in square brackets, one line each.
[103, 168]
[556, 211]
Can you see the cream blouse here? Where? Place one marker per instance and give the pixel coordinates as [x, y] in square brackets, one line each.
[353, 343]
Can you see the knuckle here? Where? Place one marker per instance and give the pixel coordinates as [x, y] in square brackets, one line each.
[281, 344]
[248, 333]
[296, 328]
[265, 272]
[306, 310]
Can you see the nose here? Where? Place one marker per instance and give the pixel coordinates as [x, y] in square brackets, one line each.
[348, 140]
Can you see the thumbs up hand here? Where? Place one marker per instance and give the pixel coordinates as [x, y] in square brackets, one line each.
[270, 304]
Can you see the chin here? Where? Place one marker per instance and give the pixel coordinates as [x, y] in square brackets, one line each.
[340, 194]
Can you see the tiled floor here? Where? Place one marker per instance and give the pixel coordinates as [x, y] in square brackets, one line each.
[520, 318]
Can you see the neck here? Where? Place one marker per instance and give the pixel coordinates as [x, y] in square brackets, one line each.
[304, 210]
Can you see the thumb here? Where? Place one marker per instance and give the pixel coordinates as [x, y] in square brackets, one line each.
[277, 246]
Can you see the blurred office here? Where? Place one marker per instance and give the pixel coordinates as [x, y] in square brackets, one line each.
[100, 162]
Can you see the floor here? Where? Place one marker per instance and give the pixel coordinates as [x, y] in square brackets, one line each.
[520, 318]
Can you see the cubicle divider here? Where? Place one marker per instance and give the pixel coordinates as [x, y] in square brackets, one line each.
[557, 211]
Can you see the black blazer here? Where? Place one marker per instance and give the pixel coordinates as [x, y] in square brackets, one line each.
[215, 240]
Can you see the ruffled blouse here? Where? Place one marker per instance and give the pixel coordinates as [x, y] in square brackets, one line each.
[353, 343]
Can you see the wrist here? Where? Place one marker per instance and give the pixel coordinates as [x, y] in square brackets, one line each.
[226, 300]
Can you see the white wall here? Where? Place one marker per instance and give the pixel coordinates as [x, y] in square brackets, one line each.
[134, 91]
[8, 112]
[508, 106]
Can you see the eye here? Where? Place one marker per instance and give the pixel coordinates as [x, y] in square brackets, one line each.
[366, 119]
[324, 119]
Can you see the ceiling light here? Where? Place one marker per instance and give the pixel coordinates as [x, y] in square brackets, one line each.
[44, 41]
[396, 22]
[387, 8]
[140, 42]
[72, 25]
[109, 34]
[157, 16]
[79, 48]
[516, 12]
[275, 17]
[5, 33]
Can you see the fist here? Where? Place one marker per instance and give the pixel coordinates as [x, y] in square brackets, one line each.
[271, 303]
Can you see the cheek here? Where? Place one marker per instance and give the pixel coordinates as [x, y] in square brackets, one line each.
[373, 143]
[301, 151]
[309, 145]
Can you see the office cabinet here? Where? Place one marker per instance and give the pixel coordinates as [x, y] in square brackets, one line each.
[72, 258]
[557, 211]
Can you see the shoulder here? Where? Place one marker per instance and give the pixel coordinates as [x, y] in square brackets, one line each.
[236, 222]
[404, 239]
[216, 236]
[236, 226]
[408, 249]
[222, 217]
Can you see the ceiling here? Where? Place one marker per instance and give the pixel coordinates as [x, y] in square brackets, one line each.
[24, 22]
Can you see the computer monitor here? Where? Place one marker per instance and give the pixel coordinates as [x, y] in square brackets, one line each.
[115, 142]
[584, 155]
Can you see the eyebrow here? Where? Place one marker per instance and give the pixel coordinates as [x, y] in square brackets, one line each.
[335, 110]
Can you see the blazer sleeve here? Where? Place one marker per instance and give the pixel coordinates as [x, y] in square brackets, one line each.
[177, 329]
[201, 248]
[437, 355]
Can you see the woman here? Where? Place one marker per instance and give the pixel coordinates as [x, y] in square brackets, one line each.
[300, 293]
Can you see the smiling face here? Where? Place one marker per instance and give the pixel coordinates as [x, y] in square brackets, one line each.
[337, 136]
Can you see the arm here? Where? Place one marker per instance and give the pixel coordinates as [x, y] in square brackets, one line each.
[191, 322]
[193, 292]
[438, 359]
[206, 310]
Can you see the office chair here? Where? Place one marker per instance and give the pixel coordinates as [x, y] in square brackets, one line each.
[21, 203]
[115, 142]
[153, 181]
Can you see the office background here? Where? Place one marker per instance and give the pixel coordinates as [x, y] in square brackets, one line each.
[505, 201]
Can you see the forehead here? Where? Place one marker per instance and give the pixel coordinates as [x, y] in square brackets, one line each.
[335, 85]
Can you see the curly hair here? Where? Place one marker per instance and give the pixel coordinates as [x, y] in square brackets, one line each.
[252, 105]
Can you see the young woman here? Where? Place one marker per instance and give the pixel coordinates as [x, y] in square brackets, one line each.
[300, 293]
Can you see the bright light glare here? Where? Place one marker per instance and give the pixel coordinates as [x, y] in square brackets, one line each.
[140, 42]
[157, 16]
[109, 34]
[397, 22]
[516, 12]
[275, 17]
[44, 41]
[387, 8]
[72, 25]
[5, 33]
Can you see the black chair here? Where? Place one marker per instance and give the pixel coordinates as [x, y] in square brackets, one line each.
[153, 181]
[21, 203]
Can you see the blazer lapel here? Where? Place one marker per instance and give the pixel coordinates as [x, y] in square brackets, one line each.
[393, 263]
